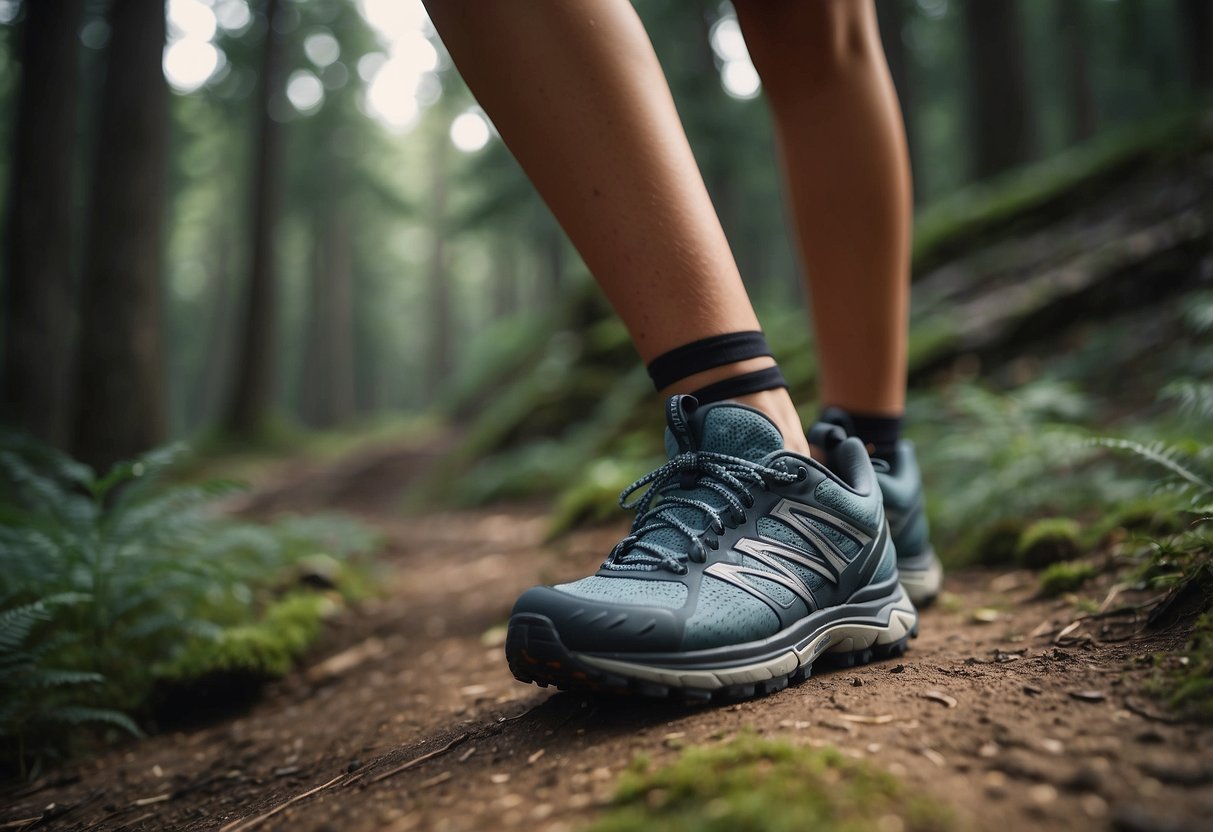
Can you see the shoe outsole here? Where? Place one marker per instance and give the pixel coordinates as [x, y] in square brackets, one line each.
[536, 655]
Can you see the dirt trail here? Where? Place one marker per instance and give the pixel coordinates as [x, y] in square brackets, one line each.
[409, 719]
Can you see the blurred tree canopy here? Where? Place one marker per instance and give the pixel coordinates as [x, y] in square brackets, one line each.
[238, 213]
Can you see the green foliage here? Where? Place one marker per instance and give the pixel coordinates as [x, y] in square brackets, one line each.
[121, 572]
[36, 710]
[1048, 541]
[1060, 578]
[267, 647]
[750, 784]
[595, 499]
[991, 461]
[1191, 685]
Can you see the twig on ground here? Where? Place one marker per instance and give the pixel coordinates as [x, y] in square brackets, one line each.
[241, 825]
[416, 761]
[1133, 707]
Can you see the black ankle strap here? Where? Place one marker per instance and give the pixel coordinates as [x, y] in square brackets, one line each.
[730, 388]
[706, 354]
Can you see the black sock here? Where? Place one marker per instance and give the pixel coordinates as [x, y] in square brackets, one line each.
[880, 432]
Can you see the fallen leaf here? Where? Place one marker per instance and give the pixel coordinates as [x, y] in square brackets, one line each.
[865, 719]
[934, 756]
[940, 697]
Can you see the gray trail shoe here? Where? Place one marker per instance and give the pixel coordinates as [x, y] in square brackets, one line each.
[745, 566]
[904, 504]
[920, 570]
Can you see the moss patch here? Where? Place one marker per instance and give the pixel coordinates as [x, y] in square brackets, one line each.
[267, 648]
[1065, 577]
[1048, 541]
[755, 784]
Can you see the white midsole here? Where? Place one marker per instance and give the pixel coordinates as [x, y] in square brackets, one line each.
[843, 637]
[922, 584]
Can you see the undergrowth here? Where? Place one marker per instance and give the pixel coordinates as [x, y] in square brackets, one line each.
[109, 584]
[733, 787]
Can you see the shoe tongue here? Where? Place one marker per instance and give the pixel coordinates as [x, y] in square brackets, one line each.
[722, 428]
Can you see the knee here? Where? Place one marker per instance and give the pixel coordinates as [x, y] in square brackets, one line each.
[808, 43]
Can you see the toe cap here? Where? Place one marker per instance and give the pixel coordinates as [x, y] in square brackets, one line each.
[586, 624]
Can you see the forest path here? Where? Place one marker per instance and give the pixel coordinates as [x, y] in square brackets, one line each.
[407, 717]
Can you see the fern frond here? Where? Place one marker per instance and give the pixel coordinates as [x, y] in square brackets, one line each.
[146, 468]
[1158, 453]
[1195, 398]
[81, 715]
[63, 678]
[16, 624]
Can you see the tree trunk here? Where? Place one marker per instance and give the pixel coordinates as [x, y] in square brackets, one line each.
[217, 361]
[891, 16]
[441, 338]
[327, 386]
[1002, 127]
[1196, 23]
[505, 279]
[1070, 18]
[120, 410]
[254, 390]
[39, 289]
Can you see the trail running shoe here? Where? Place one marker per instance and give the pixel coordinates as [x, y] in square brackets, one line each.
[901, 484]
[920, 570]
[746, 565]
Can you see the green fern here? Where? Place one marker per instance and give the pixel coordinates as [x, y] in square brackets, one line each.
[32, 694]
[105, 579]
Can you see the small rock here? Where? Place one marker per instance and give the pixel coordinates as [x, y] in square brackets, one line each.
[1177, 773]
[857, 682]
[1031, 690]
[901, 668]
[1085, 779]
[1088, 695]
[353, 765]
[1042, 794]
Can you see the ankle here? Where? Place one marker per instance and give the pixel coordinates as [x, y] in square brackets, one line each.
[777, 406]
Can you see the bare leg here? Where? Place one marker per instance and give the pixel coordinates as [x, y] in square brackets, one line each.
[848, 178]
[578, 95]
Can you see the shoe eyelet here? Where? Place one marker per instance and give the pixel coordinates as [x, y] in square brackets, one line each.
[802, 474]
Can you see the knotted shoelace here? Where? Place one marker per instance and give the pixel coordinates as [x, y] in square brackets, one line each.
[729, 477]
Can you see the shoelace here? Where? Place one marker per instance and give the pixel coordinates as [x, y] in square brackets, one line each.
[729, 476]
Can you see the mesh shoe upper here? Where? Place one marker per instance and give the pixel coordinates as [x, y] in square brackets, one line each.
[735, 540]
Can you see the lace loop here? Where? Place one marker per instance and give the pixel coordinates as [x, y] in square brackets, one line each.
[728, 477]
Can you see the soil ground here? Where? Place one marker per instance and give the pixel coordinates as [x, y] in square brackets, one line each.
[406, 717]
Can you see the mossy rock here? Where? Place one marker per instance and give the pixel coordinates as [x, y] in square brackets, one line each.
[755, 784]
[997, 543]
[1048, 541]
[1059, 578]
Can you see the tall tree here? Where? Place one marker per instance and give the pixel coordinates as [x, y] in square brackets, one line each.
[39, 284]
[253, 394]
[1002, 120]
[1196, 22]
[327, 392]
[1070, 18]
[121, 405]
[441, 337]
